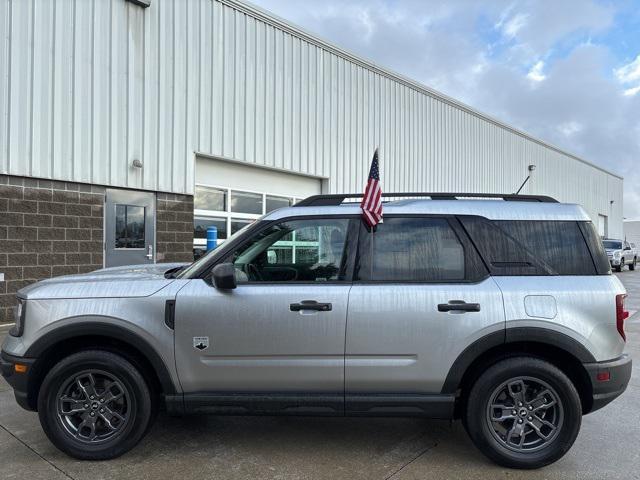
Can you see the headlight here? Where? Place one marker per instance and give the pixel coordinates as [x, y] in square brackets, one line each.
[616, 254]
[18, 314]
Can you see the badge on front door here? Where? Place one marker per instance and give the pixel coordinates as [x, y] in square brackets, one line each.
[201, 343]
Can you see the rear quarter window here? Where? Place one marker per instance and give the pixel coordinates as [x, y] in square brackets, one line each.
[532, 247]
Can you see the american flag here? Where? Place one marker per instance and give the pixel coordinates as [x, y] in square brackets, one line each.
[371, 202]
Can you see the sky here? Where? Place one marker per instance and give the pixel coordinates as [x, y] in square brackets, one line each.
[565, 71]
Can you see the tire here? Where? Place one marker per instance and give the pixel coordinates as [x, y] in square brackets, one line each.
[618, 268]
[530, 450]
[105, 405]
[632, 266]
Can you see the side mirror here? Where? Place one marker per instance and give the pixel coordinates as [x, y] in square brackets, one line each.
[224, 276]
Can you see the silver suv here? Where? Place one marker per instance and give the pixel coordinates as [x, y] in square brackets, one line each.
[501, 312]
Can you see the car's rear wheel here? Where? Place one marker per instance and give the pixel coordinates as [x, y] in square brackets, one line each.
[523, 412]
[633, 264]
[94, 405]
[619, 267]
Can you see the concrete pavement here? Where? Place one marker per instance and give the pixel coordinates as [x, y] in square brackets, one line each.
[328, 448]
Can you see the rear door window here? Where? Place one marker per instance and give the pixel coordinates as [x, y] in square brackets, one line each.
[414, 249]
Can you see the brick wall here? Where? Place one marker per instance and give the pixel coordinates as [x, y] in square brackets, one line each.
[47, 228]
[174, 228]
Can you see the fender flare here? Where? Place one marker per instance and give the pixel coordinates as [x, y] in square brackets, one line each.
[512, 335]
[107, 330]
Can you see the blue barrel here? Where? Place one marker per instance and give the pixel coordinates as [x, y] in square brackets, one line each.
[212, 238]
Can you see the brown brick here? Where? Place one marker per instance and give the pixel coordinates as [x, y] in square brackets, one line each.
[91, 199]
[185, 237]
[166, 216]
[3, 259]
[96, 210]
[175, 227]
[4, 204]
[78, 258]
[9, 191]
[51, 259]
[22, 259]
[65, 221]
[12, 218]
[165, 236]
[78, 234]
[22, 233]
[96, 259]
[88, 268]
[90, 222]
[37, 220]
[39, 194]
[58, 270]
[51, 208]
[3, 232]
[37, 246]
[11, 246]
[23, 206]
[56, 185]
[72, 186]
[96, 234]
[8, 301]
[78, 210]
[37, 273]
[12, 273]
[66, 246]
[65, 197]
[90, 246]
[15, 285]
[51, 233]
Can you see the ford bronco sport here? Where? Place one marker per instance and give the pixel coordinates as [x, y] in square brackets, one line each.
[501, 311]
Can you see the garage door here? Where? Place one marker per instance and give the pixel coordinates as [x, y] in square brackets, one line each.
[230, 195]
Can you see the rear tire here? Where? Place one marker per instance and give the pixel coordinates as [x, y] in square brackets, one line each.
[618, 268]
[547, 414]
[95, 405]
[633, 264]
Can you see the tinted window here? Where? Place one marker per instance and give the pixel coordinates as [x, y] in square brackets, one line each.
[273, 203]
[612, 244]
[129, 226]
[412, 249]
[246, 202]
[515, 247]
[299, 250]
[598, 253]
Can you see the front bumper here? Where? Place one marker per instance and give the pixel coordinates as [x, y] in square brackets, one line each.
[619, 374]
[19, 381]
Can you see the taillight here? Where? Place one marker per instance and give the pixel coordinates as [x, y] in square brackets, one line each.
[621, 314]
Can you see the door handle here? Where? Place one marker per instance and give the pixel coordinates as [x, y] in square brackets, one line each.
[310, 305]
[458, 306]
[149, 254]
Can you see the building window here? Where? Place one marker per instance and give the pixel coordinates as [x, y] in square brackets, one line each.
[230, 211]
[207, 198]
[129, 226]
[246, 202]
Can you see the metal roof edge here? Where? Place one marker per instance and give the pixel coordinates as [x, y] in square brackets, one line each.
[274, 20]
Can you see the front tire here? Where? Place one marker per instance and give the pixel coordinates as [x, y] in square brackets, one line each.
[633, 264]
[523, 412]
[94, 405]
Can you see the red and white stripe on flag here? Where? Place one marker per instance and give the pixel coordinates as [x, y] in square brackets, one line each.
[372, 200]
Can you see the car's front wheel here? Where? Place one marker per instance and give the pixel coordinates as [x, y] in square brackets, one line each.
[523, 412]
[94, 405]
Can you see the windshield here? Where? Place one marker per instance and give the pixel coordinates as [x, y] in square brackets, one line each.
[612, 244]
[211, 254]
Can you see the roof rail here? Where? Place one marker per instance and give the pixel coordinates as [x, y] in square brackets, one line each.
[339, 198]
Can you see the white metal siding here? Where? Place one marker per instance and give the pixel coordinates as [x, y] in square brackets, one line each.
[88, 86]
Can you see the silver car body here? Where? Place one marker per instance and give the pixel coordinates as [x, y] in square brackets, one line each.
[376, 339]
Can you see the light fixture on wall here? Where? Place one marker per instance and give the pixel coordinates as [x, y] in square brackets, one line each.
[136, 163]
[531, 168]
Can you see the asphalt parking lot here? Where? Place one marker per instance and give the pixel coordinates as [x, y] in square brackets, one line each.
[335, 448]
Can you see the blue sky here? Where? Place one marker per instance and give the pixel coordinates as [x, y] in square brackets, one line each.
[566, 71]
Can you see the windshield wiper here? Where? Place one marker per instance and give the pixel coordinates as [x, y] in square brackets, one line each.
[173, 272]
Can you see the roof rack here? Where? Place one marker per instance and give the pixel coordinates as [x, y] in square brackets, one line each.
[339, 198]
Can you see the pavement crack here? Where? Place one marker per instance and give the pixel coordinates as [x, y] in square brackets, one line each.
[34, 451]
[393, 474]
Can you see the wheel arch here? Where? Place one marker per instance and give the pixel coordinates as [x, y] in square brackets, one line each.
[557, 348]
[59, 343]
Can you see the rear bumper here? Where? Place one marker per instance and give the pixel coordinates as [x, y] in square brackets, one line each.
[18, 381]
[619, 374]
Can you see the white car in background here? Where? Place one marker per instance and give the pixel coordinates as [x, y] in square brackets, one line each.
[621, 253]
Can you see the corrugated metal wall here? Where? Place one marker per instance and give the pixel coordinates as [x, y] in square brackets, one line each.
[86, 86]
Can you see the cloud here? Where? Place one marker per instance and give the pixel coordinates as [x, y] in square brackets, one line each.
[541, 65]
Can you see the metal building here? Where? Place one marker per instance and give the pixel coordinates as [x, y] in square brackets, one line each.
[224, 101]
